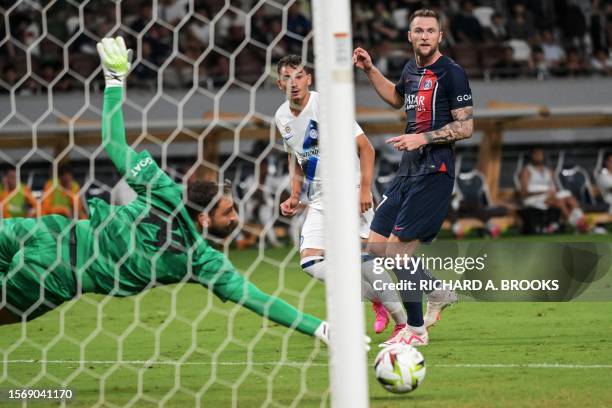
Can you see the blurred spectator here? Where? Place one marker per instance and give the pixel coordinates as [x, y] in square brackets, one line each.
[218, 69]
[9, 75]
[29, 87]
[269, 181]
[410, 5]
[282, 47]
[538, 67]
[563, 25]
[47, 72]
[507, 67]
[572, 23]
[574, 64]
[400, 14]
[72, 22]
[521, 24]
[553, 52]
[604, 180]
[200, 29]
[362, 16]
[28, 31]
[538, 190]
[543, 12]
[142, 71]
[465, 26]
[445, 22]
[144, 18]
[598, 26]
[297, 22]
[601, 63]
[496, 32]
[383, 26]
[84, 42]
[172, 11]
[16, 199]
[229, 22]
[61, 196]
[158, 37]
[259, 26]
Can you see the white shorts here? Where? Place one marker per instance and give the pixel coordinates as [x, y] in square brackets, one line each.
[539, 200]
[312, 235]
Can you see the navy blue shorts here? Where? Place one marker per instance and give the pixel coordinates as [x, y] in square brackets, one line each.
[414, 207]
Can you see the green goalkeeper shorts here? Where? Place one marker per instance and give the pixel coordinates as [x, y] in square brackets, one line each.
[35, 267]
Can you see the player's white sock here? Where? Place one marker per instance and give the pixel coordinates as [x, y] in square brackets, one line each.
[368, 292]
[575, 215]
[389, 298]
[314, 266]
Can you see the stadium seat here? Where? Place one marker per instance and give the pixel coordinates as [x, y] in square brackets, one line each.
[388, 160]
[522, 51]
[599, 162]
[483, 14]
[575, 179]
[474, 197]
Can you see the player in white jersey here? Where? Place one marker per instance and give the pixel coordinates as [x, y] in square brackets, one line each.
[297, 122]
[539, 191]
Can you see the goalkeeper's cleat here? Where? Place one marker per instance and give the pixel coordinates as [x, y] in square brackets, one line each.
[116, 60]
[437, 301]
[382, 317]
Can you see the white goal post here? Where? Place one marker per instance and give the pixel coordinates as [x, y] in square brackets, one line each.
[334, 78]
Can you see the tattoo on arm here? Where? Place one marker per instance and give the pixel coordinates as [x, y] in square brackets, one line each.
[461, 128]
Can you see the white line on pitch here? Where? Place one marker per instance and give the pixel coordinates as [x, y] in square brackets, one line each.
[295, 364]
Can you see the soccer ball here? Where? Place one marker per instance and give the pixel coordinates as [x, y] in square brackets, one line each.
[400, 368]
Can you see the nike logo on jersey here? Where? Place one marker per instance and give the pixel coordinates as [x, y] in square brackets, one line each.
[398, 228]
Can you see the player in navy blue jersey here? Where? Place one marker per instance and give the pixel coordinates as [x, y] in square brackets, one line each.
[435, 93]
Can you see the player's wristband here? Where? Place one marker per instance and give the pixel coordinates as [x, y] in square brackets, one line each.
[322, 332]
[113, 80]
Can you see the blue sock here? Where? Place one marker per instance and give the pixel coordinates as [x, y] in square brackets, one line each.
[425, 275]
[412, 300]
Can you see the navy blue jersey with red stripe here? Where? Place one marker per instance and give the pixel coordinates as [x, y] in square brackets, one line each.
[430, 94]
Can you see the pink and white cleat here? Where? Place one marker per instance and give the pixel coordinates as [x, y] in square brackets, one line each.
[412, 336]
[437, 301]
[382, 317]
[398, 328]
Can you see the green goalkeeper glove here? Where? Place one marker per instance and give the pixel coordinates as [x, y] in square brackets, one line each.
[116, 60]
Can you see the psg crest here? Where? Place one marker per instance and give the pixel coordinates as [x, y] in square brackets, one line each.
[427, 84]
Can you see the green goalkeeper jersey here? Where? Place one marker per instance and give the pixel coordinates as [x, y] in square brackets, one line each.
[151, 241]
[123, 250]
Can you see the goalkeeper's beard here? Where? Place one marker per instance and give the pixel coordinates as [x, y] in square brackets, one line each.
[222, 231]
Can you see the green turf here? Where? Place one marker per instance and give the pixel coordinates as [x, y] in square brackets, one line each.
[515, 336]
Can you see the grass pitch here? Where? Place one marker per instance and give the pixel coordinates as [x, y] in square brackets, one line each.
[181, 346]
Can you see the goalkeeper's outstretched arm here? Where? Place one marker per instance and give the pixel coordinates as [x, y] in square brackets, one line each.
[115, 59]
[251, 297]
[213, 270]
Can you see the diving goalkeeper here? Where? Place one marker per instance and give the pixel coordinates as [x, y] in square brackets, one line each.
[123, 250]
